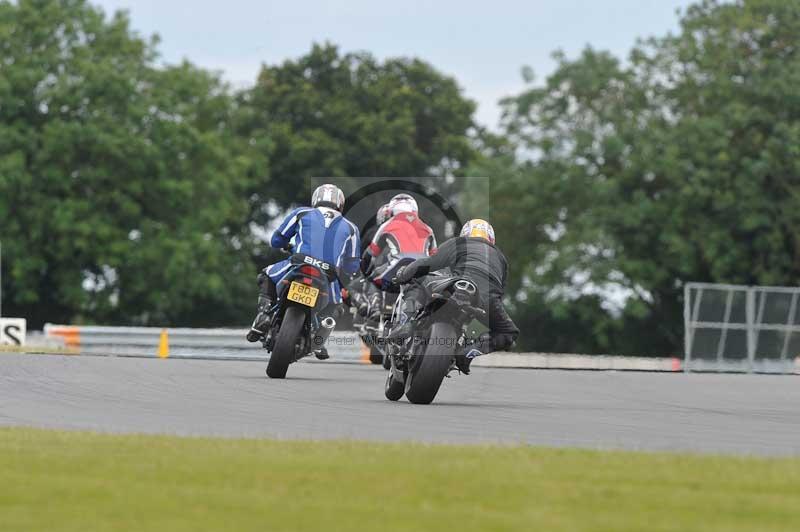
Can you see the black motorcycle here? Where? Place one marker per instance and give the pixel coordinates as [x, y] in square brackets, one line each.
[419, 364]
[373, 328]
[296, 329]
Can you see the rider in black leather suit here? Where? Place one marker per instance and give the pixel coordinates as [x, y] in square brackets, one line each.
[472, 255]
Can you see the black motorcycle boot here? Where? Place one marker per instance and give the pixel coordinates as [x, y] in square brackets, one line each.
[405, 329]
[322, 354]
[401, 332]
[464, 360]
[374, 308]
[261, 322]
[462, 363]
[358, 301]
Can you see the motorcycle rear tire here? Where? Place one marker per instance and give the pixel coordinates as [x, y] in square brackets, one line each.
[285, 342]
[427, 375]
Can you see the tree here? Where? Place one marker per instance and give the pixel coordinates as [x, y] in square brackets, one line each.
[681, 166]
[329, 114]
[122, 189]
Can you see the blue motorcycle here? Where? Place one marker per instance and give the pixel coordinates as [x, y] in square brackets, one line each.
[296, 329]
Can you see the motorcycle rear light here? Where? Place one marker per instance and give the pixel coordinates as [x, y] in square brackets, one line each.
[306, 280]
[310, 270]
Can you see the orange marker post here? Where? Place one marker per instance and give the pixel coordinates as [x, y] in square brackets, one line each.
[163, 344]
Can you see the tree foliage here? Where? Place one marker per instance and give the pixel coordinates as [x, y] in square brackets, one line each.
[328, 114]
[680, 165]
[121, 197]
[129, 190]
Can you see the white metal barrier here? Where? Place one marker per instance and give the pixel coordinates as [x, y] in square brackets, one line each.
[181, 342]
[342, 346]
[741, 328]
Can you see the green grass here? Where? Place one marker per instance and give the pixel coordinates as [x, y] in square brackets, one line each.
[84, 482]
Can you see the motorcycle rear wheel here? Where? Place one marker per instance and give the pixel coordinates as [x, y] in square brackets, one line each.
[285, 342]
[429, 370]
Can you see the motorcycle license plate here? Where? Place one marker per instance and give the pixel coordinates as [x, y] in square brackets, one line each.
[303, 294]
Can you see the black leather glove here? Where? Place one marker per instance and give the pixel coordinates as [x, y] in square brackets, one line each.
[401, 276]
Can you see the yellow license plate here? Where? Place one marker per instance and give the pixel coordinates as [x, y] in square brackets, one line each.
[303, 294]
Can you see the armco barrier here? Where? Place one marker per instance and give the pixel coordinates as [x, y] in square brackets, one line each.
[342, 346]
[182, 343]
[569, 361]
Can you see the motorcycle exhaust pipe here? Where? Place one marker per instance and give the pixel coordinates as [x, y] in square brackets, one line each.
[326, 327]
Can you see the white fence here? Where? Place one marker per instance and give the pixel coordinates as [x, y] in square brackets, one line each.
[741, 328]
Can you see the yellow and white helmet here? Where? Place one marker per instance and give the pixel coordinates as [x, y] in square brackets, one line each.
[477, 228]
[328, 196]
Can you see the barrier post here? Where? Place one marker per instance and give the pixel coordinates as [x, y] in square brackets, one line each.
[163, 344]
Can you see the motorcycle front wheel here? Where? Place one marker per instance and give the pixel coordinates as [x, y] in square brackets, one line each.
[393, 389]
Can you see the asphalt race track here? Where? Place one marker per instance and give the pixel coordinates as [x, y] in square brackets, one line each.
[743, 414]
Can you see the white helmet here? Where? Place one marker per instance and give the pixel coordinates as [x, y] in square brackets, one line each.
[402, 203]
[328, 196]
[383, 214]
[477, 228]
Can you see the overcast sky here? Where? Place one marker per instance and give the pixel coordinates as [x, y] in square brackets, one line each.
[484, 44]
